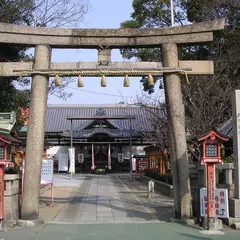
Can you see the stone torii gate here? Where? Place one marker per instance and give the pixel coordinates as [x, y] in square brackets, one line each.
[44, 39]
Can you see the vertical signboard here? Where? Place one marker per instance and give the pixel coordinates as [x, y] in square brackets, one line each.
[47, 174]
[71, 152]
[220, 203]
[47, 171]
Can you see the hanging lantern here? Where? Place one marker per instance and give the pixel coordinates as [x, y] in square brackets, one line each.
[80, 82]
[126, 82]
[103, 81]
[58, 81]
[150, 80]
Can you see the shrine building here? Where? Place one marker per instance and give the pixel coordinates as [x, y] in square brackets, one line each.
[102, 136]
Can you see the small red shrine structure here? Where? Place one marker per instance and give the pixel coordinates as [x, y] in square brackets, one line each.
[156, 160]
[8, 136]
[211, 143]
[211, 155]
[8, 131]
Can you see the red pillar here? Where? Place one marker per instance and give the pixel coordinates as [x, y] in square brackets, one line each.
[211, 190]
[1, 193]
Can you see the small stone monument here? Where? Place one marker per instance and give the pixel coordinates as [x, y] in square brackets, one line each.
[150, 189]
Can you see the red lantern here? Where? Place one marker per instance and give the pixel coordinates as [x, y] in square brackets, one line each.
[211, 155]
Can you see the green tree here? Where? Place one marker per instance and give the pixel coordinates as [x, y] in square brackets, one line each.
[207, 98]
[11, 99]
[51, 13]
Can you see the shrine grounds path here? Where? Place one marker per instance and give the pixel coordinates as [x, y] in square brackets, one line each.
[110, 207]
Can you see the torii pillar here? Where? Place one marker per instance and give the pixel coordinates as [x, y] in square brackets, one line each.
[177, 134]
[35, 134]
[234, 203]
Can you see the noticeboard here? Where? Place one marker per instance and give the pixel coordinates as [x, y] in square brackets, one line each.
[47, 171]
[221, 202]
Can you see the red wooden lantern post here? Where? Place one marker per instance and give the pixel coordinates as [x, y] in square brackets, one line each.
[211, 155]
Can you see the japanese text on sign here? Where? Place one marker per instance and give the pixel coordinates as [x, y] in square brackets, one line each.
[220, 203]
[47, 171]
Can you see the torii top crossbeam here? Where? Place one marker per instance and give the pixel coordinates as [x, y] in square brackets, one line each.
[108, 38]
[104, 40]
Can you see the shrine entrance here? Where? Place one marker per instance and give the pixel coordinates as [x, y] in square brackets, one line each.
[104, 40]
[101, 156]
[101, 153]
[104, 150]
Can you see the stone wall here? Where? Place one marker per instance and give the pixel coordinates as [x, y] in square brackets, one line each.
[11, 199]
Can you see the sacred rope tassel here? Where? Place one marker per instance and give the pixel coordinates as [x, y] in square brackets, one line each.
[103, 81]
[20, 79]
[80, 82]
[126, 82]
[150, 80]
[58, 81]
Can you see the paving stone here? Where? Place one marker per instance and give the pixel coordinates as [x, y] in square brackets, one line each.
[104, 199]
[117, 215]
[105, 219]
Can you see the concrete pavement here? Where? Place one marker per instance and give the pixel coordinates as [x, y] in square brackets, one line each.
[106, 199]
[114, 207]
[64, 189]
[116, 231]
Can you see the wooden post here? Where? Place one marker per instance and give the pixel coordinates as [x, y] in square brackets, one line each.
[178, 146]
[35, 135]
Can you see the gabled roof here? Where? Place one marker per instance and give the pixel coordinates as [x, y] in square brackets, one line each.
[56, 119]
[7, 138]
[7, 122]
[91, 132]
[212, 134]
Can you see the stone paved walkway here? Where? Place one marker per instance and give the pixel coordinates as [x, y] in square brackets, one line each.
[115, 201]
[108, 199]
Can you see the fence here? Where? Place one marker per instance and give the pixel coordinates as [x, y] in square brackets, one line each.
[224, 177]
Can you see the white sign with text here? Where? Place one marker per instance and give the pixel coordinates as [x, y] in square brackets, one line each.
[47, 171]
[221, 202]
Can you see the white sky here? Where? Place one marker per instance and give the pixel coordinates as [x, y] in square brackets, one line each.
[104, 14]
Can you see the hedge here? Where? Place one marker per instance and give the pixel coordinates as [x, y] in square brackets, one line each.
[167, 178]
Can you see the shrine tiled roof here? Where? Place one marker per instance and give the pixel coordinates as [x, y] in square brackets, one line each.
[56, 119]
[111, 132]
[7, 138]
[226, 128]
[7, 122]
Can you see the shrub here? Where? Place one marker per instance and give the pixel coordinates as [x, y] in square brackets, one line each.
[167, 178]
[228, 159]
[11, 171]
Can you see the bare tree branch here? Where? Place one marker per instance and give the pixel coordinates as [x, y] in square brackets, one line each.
[59, 13]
